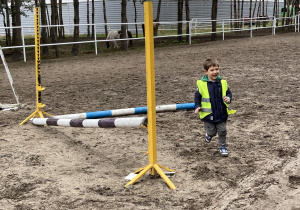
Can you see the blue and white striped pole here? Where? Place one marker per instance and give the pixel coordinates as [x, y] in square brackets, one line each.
[128, 111]
[92, 123]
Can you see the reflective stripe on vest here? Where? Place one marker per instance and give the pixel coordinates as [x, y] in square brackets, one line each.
[205, 100]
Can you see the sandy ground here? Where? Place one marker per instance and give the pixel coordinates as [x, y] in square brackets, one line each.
[84, 168]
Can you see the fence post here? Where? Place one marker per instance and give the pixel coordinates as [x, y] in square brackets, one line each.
[23, 43]
[190, 32]
[223, 28]
[96, 49]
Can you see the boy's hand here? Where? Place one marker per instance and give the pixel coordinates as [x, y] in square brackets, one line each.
[198, 109]
[226, 99]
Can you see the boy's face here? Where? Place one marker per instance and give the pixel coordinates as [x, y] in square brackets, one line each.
[212, 73]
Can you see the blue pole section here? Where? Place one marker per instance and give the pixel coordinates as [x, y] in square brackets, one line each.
[185, 106]
[127, 111]
[98, 114]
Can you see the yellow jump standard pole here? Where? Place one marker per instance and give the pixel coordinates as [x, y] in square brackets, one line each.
[150, 72]
[38, 112]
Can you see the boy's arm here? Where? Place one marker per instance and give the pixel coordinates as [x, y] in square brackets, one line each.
[197, 101]
[229, 96]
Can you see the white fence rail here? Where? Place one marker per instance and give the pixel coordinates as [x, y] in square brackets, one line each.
[196, 27]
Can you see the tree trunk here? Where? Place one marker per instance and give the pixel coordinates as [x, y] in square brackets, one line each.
[16, 21]
[4, 22]
[250, 9]
[238, 13]
[297, 7]
[53, 30]
[8, 36]
[263, 8]
[93, 18]
[56, 17]
[179, 19]
[135, 19]
[242, 11]
[234, 14]
[157, 18]
[231, 13]
[258, 13]
[214, 10]
[124, 27]
[61, 29]
[49, 21]
[105, 19]
[187, 13]
[88, 35]
[75, 50]
[284, 13]
[44, 29]
[254, 9]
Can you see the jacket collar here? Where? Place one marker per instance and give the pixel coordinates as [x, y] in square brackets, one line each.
[205, 78]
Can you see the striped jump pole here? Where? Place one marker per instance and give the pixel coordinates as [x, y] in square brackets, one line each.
[92, 123]
[127, 111]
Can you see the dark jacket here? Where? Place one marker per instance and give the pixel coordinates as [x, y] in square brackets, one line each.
[219, 112]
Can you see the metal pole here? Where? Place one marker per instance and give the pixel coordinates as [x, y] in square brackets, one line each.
[190, 32]
[23, 43]
[223, 30]
[153, 166]
[39, 105]
[96, 49]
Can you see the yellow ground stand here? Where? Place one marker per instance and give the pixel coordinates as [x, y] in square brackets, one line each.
[38, 112]
[153, 166]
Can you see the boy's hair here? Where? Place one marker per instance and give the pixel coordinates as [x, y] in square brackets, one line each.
[209, 63]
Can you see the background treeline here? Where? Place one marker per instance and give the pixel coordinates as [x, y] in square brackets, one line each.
[12, 10]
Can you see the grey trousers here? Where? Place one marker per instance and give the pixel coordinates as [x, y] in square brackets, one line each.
[213, 128]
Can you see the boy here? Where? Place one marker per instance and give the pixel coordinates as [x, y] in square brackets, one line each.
[211, 101]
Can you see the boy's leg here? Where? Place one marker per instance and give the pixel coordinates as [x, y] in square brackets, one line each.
[210, 129]
[222, 131]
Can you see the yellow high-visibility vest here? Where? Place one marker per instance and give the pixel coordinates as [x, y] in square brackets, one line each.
[205, 100]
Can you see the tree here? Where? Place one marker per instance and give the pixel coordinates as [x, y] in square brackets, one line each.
[88, 18]
[135, 19]
[93, 18]
[124, 26]
[297, 7]
[157, 17]
[75, 50]
[187, 12]
[53, 30]
[44, 29]
[105, 19]
[179, 19]
[16, 21]
[250, 8]
[8, 36]
[6, 22]
[214, 9]
[61, 29]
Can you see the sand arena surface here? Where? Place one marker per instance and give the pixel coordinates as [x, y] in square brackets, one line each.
[84, 168]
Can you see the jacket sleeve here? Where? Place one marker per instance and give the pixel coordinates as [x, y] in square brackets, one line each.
[197, 99]
[229, 94]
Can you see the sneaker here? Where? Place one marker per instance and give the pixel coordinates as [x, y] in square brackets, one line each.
[223, 151]
[207, 138]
